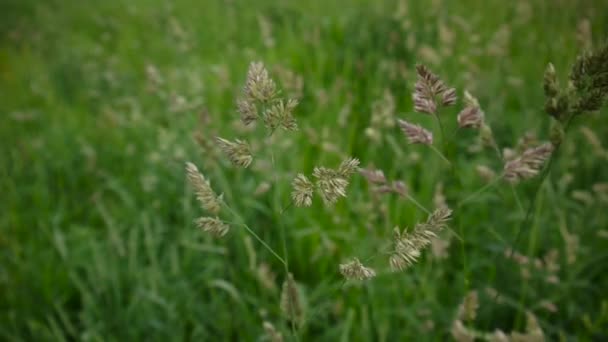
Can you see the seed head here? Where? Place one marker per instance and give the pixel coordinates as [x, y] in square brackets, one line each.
[409, 245]
[280, 115]
[259, 85]
[330, 184]
[428, 88]
[485, 173]
[471, 116]
[212, 225]
[248, 111]
[467, 311]
[290, 300]
[302, 191]
[534, 333]
[415, 133]
[424, 105]
[205, 195]
[590, 81]
[460, 333]
[373, 176]
[238, 151]
[448, 98]
[528, 164]
[354, 269]
[271, 333]
[348, 167]
[550, 83]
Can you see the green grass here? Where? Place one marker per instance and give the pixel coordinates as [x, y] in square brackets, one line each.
[97, 240]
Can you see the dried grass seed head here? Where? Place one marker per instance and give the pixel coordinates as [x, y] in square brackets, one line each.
[415, 133]
[354, 270]
[330, 184]
[589, 78]
[302, 191]
[467, 311]
[280, 114]
[202, 188]
[248, 111]
[348, 167]
[408, 246]
[212, 225]
[272, 334]
[428, 88]
[238, 151]
[528, 164]
[291, 305]
[373, 176]
[471, 116]
[259, 85]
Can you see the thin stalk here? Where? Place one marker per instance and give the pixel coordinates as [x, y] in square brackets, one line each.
[443, 140]
[440, 154]
[481, 190]
[420, 206]
[261, 241]
[283, 238]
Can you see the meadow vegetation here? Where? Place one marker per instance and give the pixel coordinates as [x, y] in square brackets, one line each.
[306, 170]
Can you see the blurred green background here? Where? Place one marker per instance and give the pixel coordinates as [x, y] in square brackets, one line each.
[103, 102]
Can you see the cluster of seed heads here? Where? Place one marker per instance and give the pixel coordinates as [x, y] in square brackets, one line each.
[471, 116]
[208, 200]
[261, 100]
[291, 305]
[408, 245]
[429, 91]
[331, 184]
[528, 164]
[415, 133]
[355, 270]
[381, 185]
[238, 151]
[466, 314]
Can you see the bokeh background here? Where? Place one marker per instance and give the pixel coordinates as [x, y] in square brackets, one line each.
[102, 103]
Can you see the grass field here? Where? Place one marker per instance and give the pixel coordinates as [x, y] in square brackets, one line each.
[103, 103]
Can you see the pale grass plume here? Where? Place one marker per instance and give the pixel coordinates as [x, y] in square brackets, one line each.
[528, 164]
[415, 133]
[330, 184]
[238, 151]
[303, 190]
[408, 246]
[429, 90]
[354, 270]
[202, 188]
[461, 333]
[248, 111]
[291, 305]
[485, 173]
[212, 225]
[348, 167]
[533, 333]
[272, 334]
[259, 86]
[498, 336]
[374, 176]
[280, 114]
[467, 311]
[471, 116]
[487, 136]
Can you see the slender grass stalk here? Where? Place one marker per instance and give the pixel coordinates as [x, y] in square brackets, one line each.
[443, 157]
[481, 190]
